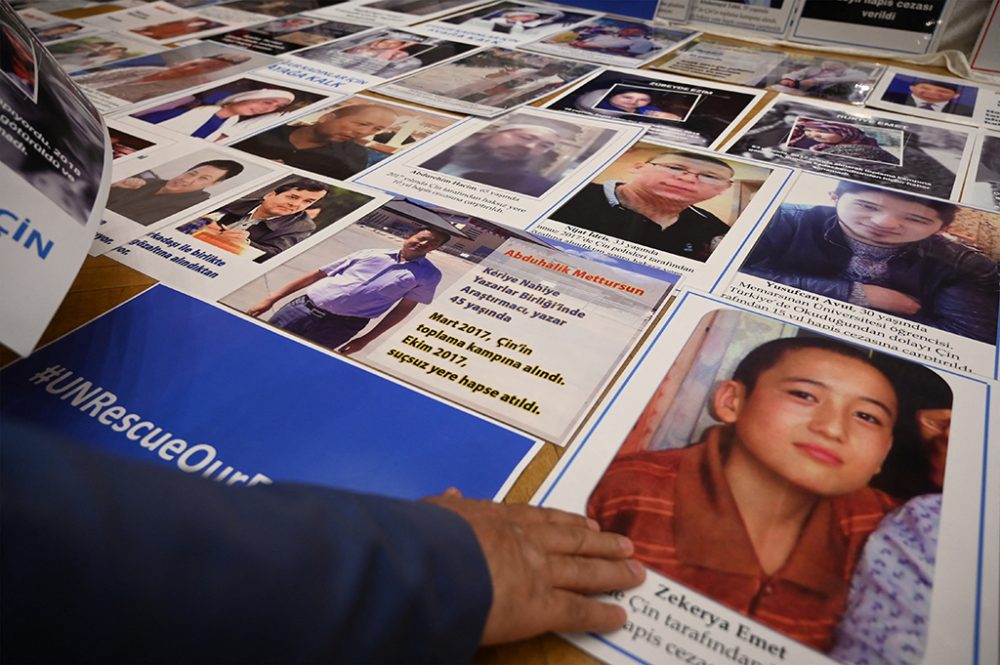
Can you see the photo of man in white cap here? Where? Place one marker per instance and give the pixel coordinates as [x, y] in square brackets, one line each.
[211, 121]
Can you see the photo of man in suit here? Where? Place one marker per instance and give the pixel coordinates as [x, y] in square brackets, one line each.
[931, 95]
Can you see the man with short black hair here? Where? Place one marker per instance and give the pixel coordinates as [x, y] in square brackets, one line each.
[148, 200]
[356, 289]
[271, 224]
[931, 95]
[882, 249]
[655, 205]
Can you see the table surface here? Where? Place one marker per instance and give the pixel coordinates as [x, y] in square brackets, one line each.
[103, 283]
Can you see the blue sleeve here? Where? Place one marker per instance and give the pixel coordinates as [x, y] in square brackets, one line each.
[107, 559]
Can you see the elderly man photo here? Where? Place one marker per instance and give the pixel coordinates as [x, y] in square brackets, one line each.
[149, 199]
[341, 298]
[331, 146]
[270, 224]
[655, 205]
[506, 156]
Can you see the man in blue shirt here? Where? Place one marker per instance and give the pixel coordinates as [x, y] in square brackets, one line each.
[342, 297]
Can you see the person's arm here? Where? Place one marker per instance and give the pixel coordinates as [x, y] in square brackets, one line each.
[107, 559]
[280, 243]
[395, 315]
[288, 289]
[965, 310]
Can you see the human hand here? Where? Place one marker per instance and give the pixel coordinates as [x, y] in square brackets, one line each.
[807, 83]
[134, 182]
[261, 307]
[890, 300]
[542, 562]
[353, 346]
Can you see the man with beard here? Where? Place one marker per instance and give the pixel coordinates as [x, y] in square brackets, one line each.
[510, 157]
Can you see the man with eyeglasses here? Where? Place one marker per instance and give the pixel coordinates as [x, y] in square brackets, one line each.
[655, 205]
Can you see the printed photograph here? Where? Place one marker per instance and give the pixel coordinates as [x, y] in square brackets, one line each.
[38, 89]
[924, 260]
[57, 30]
[124, 144]
[647, 102]
[613, 40]
[517, 19]
[236, 108]
[522, 153]
[139, 79]
[386, 53]
[176, 29]
[352, 288]
[154, 193]
[416, 7]
[667, 199]
[674, 109]
[862, 142]
[279, 7]
[288, 34]
[344, 139]
[275, 217]
[823, 78]
[983, 187]
[17, 61]
[930, 157]
[849, 442]
[930, 94]
[96, 50]
[490, 81]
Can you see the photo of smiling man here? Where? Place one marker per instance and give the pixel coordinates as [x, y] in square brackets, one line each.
[789, 444]
[651, 196]
[917, 258]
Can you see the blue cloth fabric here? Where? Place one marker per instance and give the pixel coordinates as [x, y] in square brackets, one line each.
[889, 606]
[111, 560]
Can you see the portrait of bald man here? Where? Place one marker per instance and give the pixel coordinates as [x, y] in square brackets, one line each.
[655, 204]
[333, 145]
[510, 156]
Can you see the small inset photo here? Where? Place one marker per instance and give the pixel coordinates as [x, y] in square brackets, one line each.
[17, 62]
[861, 142]
[644, 102]
[930, 94]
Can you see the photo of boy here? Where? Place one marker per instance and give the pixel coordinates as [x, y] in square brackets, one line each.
[931, 95]
[780, 440]
[907, 255]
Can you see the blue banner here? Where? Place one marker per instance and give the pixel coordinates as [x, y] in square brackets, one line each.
[178, 382]
[639, 8]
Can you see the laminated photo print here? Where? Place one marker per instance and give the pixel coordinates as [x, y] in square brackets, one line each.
[938, 97]
[345, 138]
[391, 13]
[613, 41]
[135, 80]
[514, 168]
[673, 108]
[731, 413]
[506, 23]
[228, 111]
[149, 191]
[821, 77]
[905, 153]
[384, 54]
[287, 34]
[162, 22]
[982, 185]
[421, 292]
[908, 273]
[488, 82]
[670, 207]
[99, 49]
